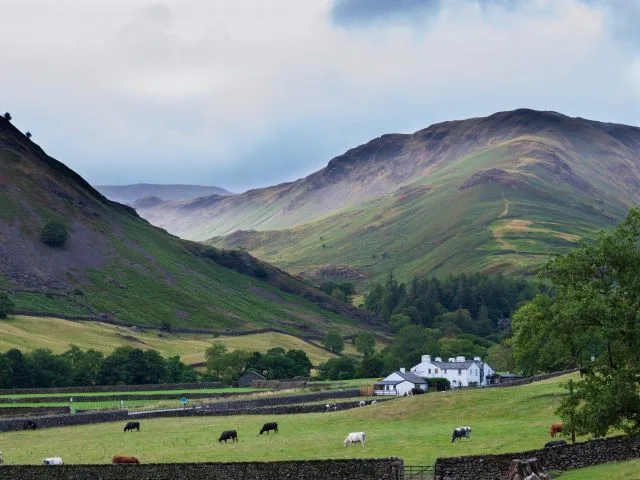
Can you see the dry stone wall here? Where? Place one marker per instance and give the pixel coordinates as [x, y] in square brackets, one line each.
[565, 457]
[64, 420]
[112, 388]
[352, 469]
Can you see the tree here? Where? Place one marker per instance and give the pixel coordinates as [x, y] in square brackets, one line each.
[594, 312]
[7, 116]
[334, 341]
[22, 377]
[54, 234]
[6, 372]
[371, 366]
[215, 358]
[6, 305]
[365, 343]
[237, 363]
[337, 369]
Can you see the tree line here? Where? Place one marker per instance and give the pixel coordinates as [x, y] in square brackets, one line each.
[41, 368]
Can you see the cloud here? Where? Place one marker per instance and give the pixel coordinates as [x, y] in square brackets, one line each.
[249, 92]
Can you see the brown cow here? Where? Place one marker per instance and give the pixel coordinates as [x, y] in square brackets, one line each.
[556, 428]
[123, 459]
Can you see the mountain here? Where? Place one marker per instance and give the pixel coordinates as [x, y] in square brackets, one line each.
[491, 194]
[129, 194]
[116, 265]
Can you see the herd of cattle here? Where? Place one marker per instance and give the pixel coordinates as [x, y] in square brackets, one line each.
[352, 438]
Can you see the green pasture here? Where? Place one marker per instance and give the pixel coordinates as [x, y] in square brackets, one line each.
[609, 471]
[28, 333]
[115, 391]
[417, 429]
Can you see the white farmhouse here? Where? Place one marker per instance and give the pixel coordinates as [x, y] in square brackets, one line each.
[459, 371]
[399, 383]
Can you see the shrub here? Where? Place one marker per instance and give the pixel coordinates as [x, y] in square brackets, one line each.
[6, 305]
[54, 234]
[259, 271]
[439, 384]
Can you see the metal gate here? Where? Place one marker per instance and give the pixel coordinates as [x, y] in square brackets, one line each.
[418, 472]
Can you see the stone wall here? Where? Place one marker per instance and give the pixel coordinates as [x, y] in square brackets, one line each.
[122, 396]
[352, 469]
[65, 420]
[31, 411]
[565, 457]
[113, 388]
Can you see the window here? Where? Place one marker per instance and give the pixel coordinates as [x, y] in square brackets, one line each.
[459, 372]
[437, 371]
[445, 370]
[429, 370]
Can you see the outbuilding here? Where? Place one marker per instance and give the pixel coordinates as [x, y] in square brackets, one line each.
[399, 383]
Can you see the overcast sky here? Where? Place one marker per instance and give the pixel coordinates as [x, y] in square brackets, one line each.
[247, 93]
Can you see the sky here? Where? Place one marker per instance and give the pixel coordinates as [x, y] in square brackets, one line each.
[249, 93]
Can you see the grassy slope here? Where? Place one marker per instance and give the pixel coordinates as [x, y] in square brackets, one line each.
[417, 429]
[122, 265]
[433, 227]
[28, 333]
[609, 471]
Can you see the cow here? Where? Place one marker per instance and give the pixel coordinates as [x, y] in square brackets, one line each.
[417, 391]
[228, 435]
[267, 427]
[354, 437]
[374, 402]
[461, 432]
[53, 461]
[124, 459]
[132, 426]
[29, 425]
[556, 428]
[328, 407]
[362, 403]
[555, 443]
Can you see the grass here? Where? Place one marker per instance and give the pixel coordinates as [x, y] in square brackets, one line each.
[417, 429]
[129, 393]
[608, 471]
[29, 333]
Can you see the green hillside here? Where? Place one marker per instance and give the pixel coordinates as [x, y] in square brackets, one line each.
[492, 194]
[116, 265]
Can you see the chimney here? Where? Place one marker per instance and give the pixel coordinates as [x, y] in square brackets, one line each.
[426, 358]
[477, 359]
[460, 359]
[451, 359]
[402, 370]
[438, 359]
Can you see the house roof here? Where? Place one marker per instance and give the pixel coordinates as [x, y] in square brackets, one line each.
[411, 377]
[454, 365]
[389, 382]
[253, 373]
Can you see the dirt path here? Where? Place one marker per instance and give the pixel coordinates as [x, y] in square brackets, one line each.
[506, 208]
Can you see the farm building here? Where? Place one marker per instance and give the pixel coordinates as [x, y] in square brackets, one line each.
[459, 371]
[246, 379]
[399, 383]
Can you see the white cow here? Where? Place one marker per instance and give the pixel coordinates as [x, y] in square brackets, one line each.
[375, 402]
[354, 437]
[53, 461]
[362, 403]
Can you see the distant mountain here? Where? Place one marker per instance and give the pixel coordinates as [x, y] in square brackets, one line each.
[493, 194]
[129, 194]
[116, 265]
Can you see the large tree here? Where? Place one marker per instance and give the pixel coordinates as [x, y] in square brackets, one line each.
[593, 314]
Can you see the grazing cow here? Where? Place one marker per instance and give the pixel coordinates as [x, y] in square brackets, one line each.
[124, 459]
[53, 461]
[354, 437]
[555, 443]
[29, 425]
[556, 428]
[132, 426]
[417, 391]
[362, 403]
[228, 435]
[374, 402]
[267, 427]
[461, 432]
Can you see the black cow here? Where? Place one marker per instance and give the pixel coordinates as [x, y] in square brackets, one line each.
[29, 425]
[132, 426]
[461, 432]
[228, 435]
[417, 391]
[267, 427]
[555, 443]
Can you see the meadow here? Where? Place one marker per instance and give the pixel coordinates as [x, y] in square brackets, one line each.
[28, 333]
[417, 429]
[608, 471]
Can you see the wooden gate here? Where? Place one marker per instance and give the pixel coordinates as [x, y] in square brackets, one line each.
[418, 472]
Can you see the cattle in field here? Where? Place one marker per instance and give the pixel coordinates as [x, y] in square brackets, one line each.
[53, 461]
[417, 391]
[555, 443]
[362, 403]
[228, 435]
[461, 432]
[329, 407]
[374, 402]
[354, 437]
[556, 428]
[29, 425]
[132, 426]
[267, 427]
[124, 459]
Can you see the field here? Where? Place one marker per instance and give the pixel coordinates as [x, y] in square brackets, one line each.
[417, 429]
[609, 471]
[28, 333]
